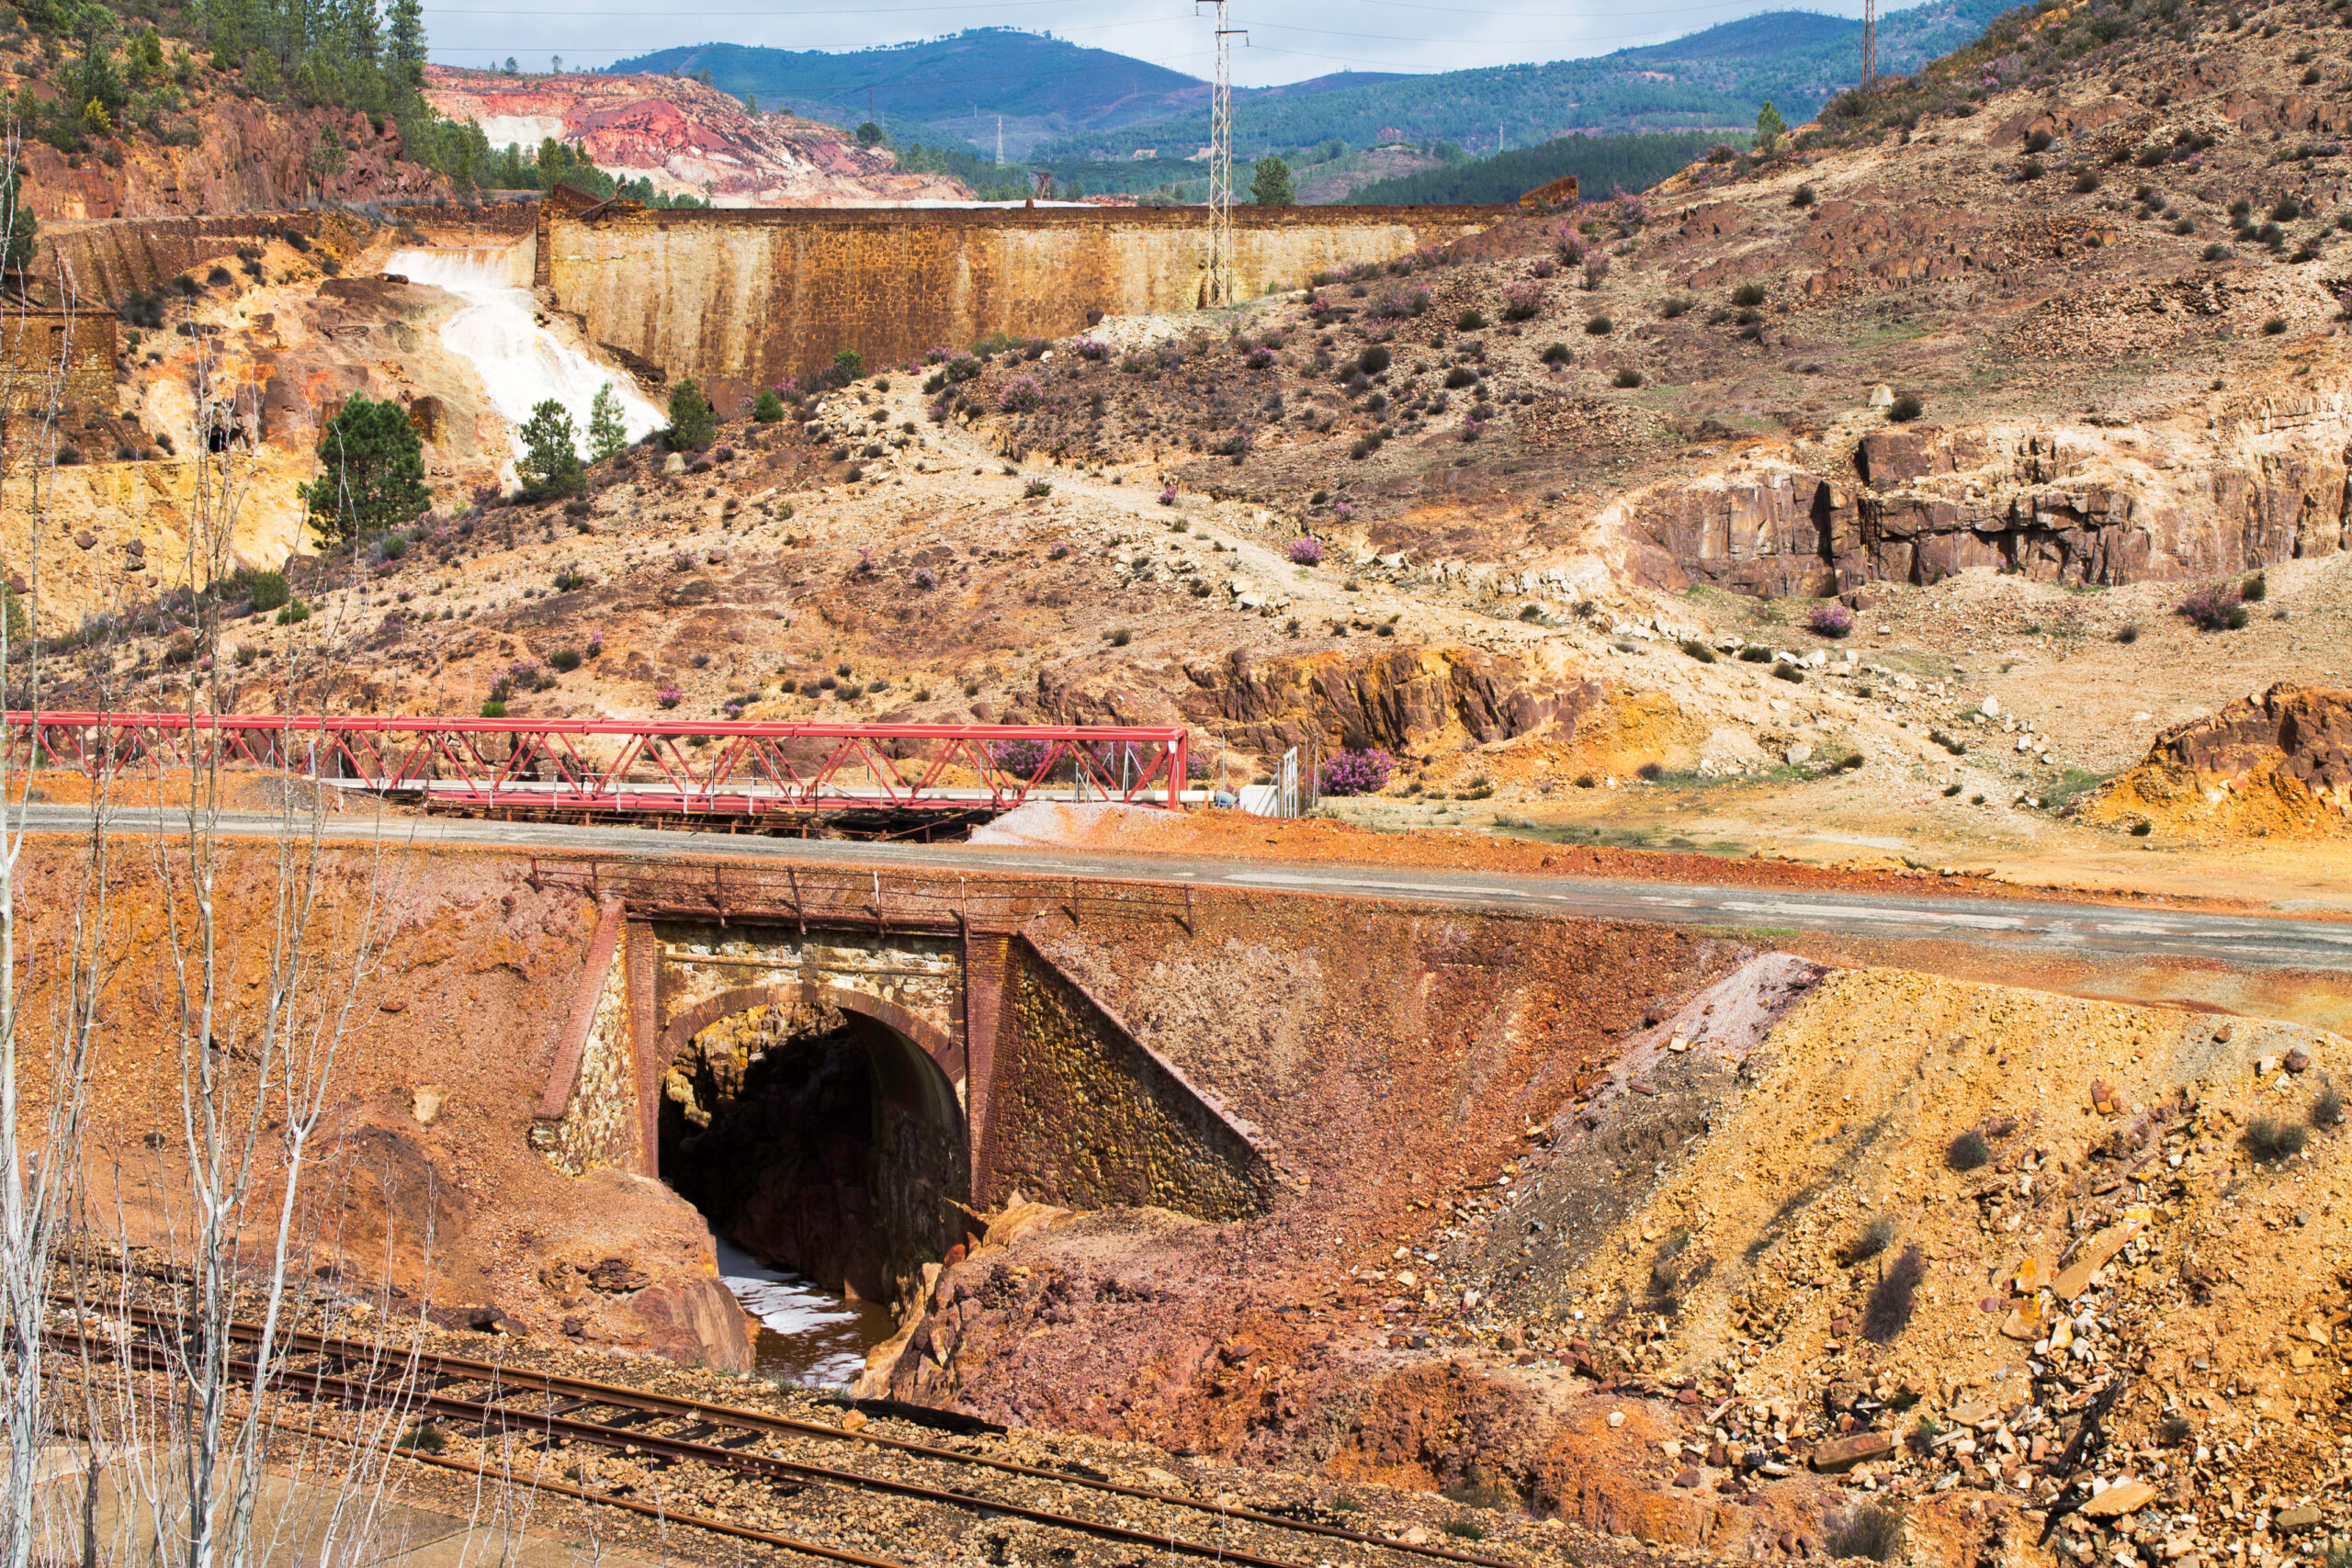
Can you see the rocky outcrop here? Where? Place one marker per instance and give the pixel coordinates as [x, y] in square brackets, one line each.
[688, 139]
[2276, 764]
[2076, 506]
[242, 155]
[1392, 700]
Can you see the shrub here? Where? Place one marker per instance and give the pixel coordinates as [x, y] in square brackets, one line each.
[2032, 169]
[1522, 301]
[1037, 488]
[1021, 395]
[1789, 672]
[2255, 588]
[2126, 635]
[1869, 1245]
[2274, 326]
[925, 579]
[1167, 496]
[2086, 183]
[2270, 1140]
[1893, 1299]
[1906, 407]
[1803, 196]
[493, 708]
[269, 591]
[1755, 653]
[2214, 607]
[1305, 550]
[669, 696]
[1830, 620]
[1090, 349]
[2326, 1110]
[1374, 359]
[1650, 772]
[1968, 1152]
[767, 408]
[1698, 650]
[1556, 354]
[1120, 637]
[1674, 309]
[2217, 252]
[294, 614]
[1355, 772]
[1599, 326]
[566, 659]
[1868, 1529]
[1260, 359]
[1471, 321]
[1747, 296]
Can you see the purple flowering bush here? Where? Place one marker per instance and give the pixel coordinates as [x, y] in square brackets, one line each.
[1830, 620]
[1021, 757]
[1021, 395]
[1355, 772]
[669, 696]
[1305, 551]
[2215, 607]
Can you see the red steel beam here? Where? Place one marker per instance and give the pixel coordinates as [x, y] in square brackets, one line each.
[661, 766]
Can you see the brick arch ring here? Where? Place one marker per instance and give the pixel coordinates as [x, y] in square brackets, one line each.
[928, 1038]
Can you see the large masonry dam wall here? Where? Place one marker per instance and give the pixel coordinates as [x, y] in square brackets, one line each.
[741, 299]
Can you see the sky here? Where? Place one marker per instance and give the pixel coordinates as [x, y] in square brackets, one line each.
[1286, 42]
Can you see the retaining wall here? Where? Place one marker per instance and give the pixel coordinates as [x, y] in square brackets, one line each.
[741, 298]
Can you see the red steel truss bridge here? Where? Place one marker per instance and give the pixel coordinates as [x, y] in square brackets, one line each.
[583, 767]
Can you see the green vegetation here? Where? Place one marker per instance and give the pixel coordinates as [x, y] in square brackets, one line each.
[1270, 185]
[374, 476]
[549, 465]
[693, 424]
[1602, 165]
[606, 435]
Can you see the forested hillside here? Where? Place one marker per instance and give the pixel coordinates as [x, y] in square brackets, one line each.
[1604, 164]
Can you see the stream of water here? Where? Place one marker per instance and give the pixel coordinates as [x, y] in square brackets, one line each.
[808, 1335]
[521, 363]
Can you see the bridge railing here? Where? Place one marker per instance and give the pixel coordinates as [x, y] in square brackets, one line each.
[829, 897]
[731, 769]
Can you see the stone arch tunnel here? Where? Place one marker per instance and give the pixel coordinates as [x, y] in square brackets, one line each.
[842, 1096]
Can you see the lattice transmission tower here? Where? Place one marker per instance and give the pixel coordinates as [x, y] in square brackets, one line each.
[1221, 285]
[1869, 43]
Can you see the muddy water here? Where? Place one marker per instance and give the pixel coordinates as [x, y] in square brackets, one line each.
[808, 1335]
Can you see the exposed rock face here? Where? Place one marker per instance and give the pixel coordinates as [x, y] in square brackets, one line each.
[688, 139]
[246, 154]
[2072, 505]
[2279, 763]
[1393, 699]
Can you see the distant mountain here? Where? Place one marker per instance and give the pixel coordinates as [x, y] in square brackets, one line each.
[1053, 101]
[1041, 85]
[1714, 79]
[1604, 165]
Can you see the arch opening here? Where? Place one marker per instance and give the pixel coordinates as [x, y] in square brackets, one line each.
[818, 1140]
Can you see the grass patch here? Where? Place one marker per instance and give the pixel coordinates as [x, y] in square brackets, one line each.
[2271, 1140]
[1868, 1529]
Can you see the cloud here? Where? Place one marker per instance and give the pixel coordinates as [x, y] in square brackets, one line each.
[1285, 43]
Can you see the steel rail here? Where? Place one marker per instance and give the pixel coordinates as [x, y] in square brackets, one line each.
[437, 1363]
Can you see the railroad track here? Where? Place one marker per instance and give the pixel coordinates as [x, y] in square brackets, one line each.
[819, 1465]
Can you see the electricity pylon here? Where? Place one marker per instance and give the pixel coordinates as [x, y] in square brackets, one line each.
[1869, 43]
[1221, 285]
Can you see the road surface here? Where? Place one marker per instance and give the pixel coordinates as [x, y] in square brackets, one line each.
[2031, 928]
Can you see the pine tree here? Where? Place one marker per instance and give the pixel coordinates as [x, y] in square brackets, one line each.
[1770, 128]
[404, 47]
[17, 251]
[693, 424]
[1272, 186]
[549, 465]
[374, 476]
[607, 437]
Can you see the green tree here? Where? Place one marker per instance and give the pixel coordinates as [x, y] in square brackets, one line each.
[869, 135]
[751, 103]
[146, 57]
[1270, 184]
[1770, 128]
[372, 471]
[404, 47]
[550, 464]
[606, 435]
[17, 251]
[848, 366]
[767, 408]
[693, 424]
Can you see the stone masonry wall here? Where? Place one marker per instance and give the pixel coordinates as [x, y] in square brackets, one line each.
[599, 1126]
[743, 298]
[1086, 1116]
